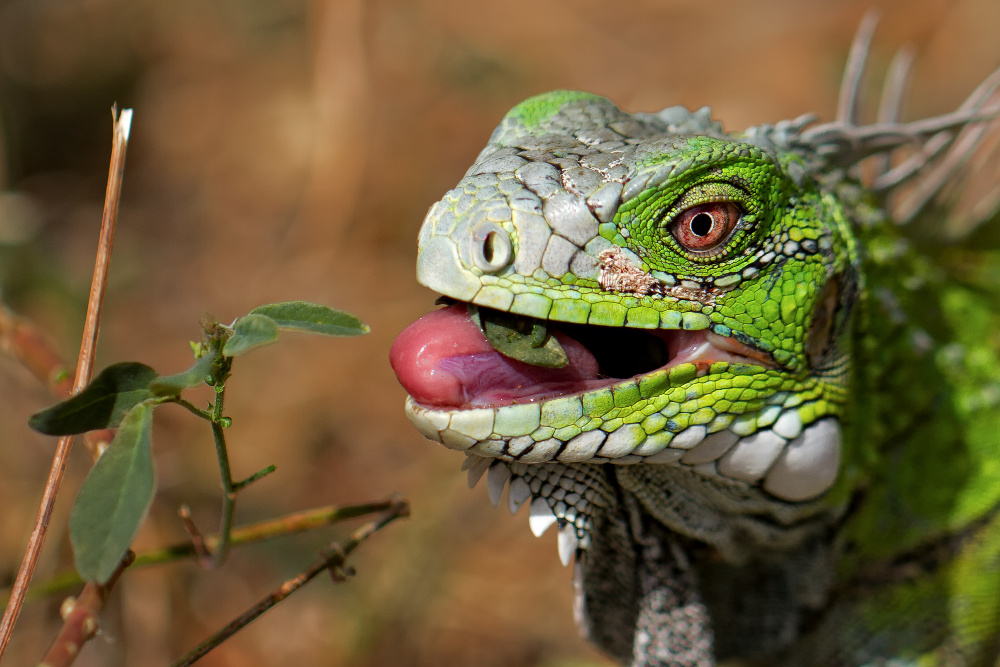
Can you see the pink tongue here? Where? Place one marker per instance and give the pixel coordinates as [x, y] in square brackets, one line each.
[444, 360]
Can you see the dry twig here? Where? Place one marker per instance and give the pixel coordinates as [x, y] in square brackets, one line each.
[84, 371]
[269, 529]
[80, 619]
[332, 559]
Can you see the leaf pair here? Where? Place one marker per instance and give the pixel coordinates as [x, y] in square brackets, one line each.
[260, 326]
[102, 403]
[120, 387]
[117, 493]
[114, 498]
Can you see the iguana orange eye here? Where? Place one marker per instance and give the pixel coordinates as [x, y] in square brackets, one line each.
[702, 228]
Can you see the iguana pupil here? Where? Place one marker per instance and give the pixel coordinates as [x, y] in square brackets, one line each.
[702, 224]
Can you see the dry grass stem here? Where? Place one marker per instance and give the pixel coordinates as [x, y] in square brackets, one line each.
[84, 371]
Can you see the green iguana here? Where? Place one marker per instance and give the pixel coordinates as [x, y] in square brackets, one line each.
[761, 405]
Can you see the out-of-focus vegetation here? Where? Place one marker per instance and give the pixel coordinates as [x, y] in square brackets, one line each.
[284, 149]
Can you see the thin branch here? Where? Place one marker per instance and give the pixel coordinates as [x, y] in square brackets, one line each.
[193, 409]
[84, 371]
[25, 342]
[259, 475]
[332, 559]
[197, 539]
[80, 619]
[290, 524]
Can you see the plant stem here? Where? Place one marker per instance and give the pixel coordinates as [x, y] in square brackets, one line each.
[331, 559]
[229, 490]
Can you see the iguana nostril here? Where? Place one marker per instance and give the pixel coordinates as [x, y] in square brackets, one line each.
[495, 249]
[491, 248]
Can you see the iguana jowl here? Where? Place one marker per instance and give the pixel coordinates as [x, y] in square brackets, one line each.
[761, 406]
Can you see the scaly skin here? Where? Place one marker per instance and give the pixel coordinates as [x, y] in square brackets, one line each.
[824, 494]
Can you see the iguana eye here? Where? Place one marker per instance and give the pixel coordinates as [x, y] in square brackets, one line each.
[705, 227]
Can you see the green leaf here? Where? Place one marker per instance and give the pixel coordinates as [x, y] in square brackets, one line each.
[522, 338]
[114, 498]
[251, 331]
[101, 404]
[305, 316]
[172, 385]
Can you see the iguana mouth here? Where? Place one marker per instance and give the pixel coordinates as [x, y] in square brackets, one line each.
[443, 360]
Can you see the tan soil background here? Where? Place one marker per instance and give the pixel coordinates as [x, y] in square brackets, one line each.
[288, 149]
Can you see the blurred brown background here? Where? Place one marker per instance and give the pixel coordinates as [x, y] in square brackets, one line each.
[288, 149]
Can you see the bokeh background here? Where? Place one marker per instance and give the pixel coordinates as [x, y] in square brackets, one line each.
[288, 149]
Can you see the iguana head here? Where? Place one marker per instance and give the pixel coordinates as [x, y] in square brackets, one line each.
[645, 290]
[652, 290]
[663, 336]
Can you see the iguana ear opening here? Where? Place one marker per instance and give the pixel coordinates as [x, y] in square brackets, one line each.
[822, 334]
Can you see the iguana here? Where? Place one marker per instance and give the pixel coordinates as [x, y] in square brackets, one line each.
[752, 377]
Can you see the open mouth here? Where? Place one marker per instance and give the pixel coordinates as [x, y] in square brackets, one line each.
[444, 361]
[618, 395]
